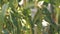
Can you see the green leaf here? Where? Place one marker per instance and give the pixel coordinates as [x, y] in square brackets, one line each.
[4, 9]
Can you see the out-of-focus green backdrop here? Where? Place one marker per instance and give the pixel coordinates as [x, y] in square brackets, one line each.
[29, 16]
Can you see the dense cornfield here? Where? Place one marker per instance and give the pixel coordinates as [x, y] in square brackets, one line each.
[29, 16]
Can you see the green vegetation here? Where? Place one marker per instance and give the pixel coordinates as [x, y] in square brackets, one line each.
[26, 16]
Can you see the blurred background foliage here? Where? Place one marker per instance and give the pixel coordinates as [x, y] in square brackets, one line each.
[29, 16]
